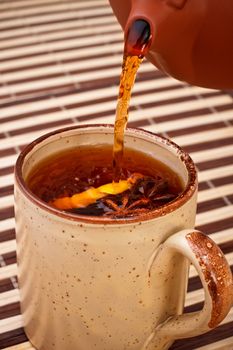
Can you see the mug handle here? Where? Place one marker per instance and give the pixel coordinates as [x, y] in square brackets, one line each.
[216, 278]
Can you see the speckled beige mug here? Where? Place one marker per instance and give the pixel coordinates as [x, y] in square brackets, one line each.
[94, 283]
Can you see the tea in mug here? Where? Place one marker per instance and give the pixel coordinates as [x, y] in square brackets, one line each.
[76, 171]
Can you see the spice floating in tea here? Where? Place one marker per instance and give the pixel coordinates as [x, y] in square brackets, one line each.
[134, 196]
[137, 43]
[90, 196]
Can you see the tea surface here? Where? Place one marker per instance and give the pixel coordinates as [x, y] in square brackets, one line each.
[76, 170]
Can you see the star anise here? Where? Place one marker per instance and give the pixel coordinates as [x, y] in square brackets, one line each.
[147, 194]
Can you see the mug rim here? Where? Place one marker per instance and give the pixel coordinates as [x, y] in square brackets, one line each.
[165, 209]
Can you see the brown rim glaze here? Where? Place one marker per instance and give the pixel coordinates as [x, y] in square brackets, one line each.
[146, 135]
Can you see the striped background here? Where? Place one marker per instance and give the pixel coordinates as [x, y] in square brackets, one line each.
[59, 65]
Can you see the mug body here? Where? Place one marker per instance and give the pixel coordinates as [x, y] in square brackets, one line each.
[88, 282]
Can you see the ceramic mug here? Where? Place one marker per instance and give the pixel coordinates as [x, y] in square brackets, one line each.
[114, 284]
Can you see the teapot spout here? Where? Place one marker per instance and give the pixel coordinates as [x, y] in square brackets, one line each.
[138, 38]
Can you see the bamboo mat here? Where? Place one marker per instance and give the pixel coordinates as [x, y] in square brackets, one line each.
[60, 63]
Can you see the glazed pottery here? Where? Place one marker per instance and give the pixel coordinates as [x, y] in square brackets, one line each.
[101, 284]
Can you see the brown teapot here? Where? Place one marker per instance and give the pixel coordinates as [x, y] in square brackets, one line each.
[192, 40]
